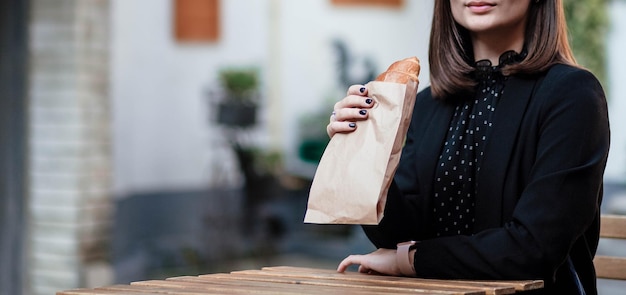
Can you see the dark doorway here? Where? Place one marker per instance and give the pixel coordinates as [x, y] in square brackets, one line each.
[13, 84]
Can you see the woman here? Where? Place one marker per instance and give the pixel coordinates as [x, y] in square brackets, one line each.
[501, 173]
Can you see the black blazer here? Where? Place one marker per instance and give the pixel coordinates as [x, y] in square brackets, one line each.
[539, 190]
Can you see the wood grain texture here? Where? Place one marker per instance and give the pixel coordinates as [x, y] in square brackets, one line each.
[613, 226]
[298, 280]
[611, 267]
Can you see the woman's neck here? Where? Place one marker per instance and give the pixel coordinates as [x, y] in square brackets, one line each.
[491, 45]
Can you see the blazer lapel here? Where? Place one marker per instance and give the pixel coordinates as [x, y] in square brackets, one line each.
[430, 147]
[509, 114]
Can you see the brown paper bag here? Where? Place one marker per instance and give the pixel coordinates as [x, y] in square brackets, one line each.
[353, 176]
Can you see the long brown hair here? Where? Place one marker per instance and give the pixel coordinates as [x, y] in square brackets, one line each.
[451, 56]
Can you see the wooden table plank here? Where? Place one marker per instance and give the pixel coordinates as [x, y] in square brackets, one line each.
[134, 289]
[389, 281]
[518, 285]
[209, 288]
[364, 284]
[286, 280]
[85, 291]
[362, 287]
[220, 286]
[492, 287]
[280, 286]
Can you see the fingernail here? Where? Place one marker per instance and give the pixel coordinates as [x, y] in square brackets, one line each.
[352, 125]
[368, 101]
[362, 112]
[362, 89]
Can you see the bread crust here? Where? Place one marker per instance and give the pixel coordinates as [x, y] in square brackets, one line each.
[402, 71]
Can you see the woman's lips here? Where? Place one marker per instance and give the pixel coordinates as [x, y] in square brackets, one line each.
[480, 7]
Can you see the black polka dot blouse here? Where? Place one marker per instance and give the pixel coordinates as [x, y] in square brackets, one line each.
[455, 180]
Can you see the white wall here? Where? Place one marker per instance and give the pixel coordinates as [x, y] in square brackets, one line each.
[162, 138]
[162, 135]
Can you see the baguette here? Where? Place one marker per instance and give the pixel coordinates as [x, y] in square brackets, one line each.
[402, 71]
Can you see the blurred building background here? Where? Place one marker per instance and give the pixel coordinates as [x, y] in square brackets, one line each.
[119, 159]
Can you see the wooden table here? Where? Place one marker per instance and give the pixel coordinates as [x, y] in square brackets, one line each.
[298, 280]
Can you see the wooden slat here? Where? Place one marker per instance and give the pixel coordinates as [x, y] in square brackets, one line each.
[219, 284]
[342, 286]
[81, 292]
[613, 226]
[101, 292]
[178, 287]
[519, 286]
[357, 280]
[166, 289]
[284, 280]
[609, 267]
[272, 287]
[492, 287]
[282, 286]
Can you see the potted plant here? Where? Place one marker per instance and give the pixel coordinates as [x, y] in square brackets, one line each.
[239, 106]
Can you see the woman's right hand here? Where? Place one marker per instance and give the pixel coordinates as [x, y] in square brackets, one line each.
[348, 111]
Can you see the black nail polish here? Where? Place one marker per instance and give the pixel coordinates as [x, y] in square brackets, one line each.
[352, 125]
[368, 101]
[362, 89]
[362, 112]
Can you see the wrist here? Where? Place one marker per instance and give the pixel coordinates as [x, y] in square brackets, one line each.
[405, 258]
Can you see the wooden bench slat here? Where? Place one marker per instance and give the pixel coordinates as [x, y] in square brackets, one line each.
[609, 267]
[613, 226]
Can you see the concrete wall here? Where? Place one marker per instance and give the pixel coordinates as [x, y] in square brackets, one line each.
[69, 206]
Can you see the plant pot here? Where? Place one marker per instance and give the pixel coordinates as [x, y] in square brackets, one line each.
[236, 114]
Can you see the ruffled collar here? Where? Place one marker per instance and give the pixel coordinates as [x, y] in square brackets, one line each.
[485, 70]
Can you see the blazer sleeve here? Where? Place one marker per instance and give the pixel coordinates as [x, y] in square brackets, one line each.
[559, 194]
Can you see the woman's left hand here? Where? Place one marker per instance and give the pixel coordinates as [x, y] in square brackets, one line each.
[382, 261]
